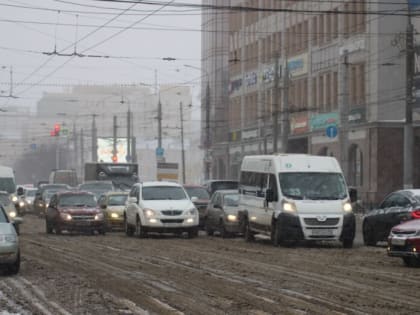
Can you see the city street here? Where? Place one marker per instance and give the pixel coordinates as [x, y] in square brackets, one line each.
[115, 274]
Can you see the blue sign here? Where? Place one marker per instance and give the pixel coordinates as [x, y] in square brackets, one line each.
[160, 151]
[331, 131]
[413, 3]
[33, 146]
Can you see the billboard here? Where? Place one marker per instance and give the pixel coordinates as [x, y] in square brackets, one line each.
[105, 147]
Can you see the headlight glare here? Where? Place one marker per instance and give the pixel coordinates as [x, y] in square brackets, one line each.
[66, 216]
[289, 206]
[347, 207]
[114, 215]
[21, 204]
[149, 213]
[99, 217]
[231, 217]
[12, 214]
[14, 198]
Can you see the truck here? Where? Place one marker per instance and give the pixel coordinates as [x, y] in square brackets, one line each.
[122, 175]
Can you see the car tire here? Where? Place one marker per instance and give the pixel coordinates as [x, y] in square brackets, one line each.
[193, 233]
[208, 228]
[368, 235]
[14, 268]
[222, 230]
[48, 227]
[57, 230]
[139, 231]
[129, 231]
[348, 243]
[411, 261]
[248, 234]
[276, 237]
[102, 231]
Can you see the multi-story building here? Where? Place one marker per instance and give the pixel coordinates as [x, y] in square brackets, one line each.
[344, 94]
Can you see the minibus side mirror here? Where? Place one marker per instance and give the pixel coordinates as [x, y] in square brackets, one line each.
[269, 195]
[353, 194]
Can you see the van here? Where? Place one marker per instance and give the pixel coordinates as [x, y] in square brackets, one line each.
[68, 177]
[292, 197]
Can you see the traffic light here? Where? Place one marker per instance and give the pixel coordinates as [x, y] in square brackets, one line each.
[114, 159]
[57, 128]
[52, 133]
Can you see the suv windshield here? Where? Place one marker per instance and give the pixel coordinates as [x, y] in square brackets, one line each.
[231, 200]
[199, 192]
[163, 193]
[7, 184]
[117, 200]
[311, 185]
[77, 200]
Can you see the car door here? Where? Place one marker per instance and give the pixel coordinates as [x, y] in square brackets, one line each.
[381, 216]
[51, 212]
[393, 216]
[214, 209]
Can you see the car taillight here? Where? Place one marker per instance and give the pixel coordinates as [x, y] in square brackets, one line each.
[415, 214]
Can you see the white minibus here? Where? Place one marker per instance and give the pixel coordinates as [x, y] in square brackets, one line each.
[293, 197]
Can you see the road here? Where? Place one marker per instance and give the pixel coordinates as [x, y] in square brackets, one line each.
[116, 274]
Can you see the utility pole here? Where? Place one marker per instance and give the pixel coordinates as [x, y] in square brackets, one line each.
[343, 110]
[57, 154]
[82, 152]
[11, 82]
[114, 143]
[75, 151]
[207, 158]
[134, 150]
[182, 142]
[94, 140]
[128, 158]
[276, 105]
[285, 110]
[159, 118]
[408, 127]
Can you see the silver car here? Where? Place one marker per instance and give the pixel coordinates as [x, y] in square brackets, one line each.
[9, 243]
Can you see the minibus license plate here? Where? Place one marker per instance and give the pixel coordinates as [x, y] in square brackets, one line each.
[322, 232]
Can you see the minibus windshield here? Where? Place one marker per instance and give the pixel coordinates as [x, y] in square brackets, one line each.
[312, 185]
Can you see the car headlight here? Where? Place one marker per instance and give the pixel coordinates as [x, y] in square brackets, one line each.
[149, 213]
[232, 217]
[8, 238]
[288, 206]
[66, 216]
[47, 205]
[14, 198]
[21, 204]
[12, 214]
[99, 217]
[114, 215]
[29, 202]
[192, 211]
[347, 207]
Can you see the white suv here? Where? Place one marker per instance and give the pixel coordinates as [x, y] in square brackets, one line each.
[162, 207]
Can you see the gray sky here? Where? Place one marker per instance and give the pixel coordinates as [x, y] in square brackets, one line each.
[139, 48]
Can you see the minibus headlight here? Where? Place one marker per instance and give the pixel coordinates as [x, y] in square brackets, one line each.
[288, 206]
[347, 207]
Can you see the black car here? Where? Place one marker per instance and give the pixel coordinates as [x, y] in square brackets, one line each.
[397, 207]
[40, 204]
[220, 184]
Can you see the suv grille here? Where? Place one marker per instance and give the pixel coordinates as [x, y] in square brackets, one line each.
[172, 220]
[328, 221]
[172, 212]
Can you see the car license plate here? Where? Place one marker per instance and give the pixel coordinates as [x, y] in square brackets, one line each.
[322, 232]
[399, 241]
[83, 223]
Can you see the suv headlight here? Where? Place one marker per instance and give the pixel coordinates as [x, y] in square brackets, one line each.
[66, 216]
[12, 214]
[149, 213]
[347, 207]
[21, 203]
[232, 217]
[14, 198]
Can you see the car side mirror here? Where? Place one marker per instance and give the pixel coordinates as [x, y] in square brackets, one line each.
[17, 220]
[269, 195]
[103, 206]
[20, 191]
[353, 194]
[133, 200]
[217, 206]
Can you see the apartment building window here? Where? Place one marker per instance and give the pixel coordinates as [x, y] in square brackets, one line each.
[355, 166]
[361, 17]
[328, 30]
[235, 113]
[354, 19]
[321, 92]
[315, 31]
[328, 93]
[314, 93]
[357, 85]
[321, 34]
[335, 90]
[305, 36]
[334, 17]
[305, 93]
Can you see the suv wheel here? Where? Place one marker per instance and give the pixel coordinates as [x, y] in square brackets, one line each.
[128, 229]
[192, 233]
[14, 267]
[139, 229]
[48, 227]
[368, 235]
[208, 228]
[276, 236]
[248, 234]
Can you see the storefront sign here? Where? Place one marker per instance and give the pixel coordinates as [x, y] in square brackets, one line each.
[298, 65]
[251, 79]
[299, 124]
[267, 74]
[322, 121]
[249, 134]
[352, 47]
[357, 115]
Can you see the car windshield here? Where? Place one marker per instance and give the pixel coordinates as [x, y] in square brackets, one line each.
[7, 184]
[77, 200]
[96, 187]
[117, 200]
[3, 217]
[4, 200]
[224, 185]
[199, 192]
[163, 193]
[231, 200]
[311, 185]
[48, 194]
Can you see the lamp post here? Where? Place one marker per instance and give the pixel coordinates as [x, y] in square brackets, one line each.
[207, 144]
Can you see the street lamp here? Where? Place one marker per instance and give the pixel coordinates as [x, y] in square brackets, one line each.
[207, 159]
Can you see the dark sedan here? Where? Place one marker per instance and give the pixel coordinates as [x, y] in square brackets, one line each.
[74, 211]
[222, 213]
[404, 242]
[397, 207]
[200, 197]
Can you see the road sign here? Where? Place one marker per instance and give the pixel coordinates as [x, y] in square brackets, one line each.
[33, 146]
[167, 171]
[159, 152]
[331, 131]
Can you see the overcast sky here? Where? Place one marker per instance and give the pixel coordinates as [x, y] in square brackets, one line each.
[135, 37]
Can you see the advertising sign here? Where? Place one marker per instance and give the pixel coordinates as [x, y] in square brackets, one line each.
[322, 121]
[299, 124]
[357, 115]
[105, 147]
[167, 171]
[298, 65]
